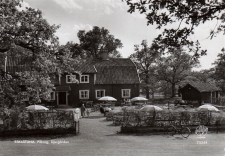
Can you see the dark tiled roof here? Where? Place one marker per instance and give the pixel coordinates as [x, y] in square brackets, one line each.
[117, 75]
[87, 67]
[112, 71]
[202, 86]
[18, 60]
[18, 64]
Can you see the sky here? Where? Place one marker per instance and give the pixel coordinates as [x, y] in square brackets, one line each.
[131, 29]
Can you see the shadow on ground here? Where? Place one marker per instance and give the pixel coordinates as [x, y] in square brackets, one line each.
[36, 137]
[93, 117]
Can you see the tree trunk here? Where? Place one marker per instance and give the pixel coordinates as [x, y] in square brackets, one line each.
[153, 97]
[173, 90]
[147, 88]
[147, 92]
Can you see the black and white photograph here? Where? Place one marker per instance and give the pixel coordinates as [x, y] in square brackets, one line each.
[112, 78]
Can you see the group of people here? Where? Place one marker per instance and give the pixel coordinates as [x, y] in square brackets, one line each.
[104, 110]
[84, 111]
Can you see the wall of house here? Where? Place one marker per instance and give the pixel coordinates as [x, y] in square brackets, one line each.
[210, 97]
[63, 80]
[110, 90]
[189, 93]
[206, 97]
[114, 90]
[73, 98]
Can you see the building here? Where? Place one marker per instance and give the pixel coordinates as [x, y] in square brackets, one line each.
[199, 92]
[104, 76]
[116, 77]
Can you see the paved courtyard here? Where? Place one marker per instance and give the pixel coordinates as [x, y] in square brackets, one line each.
[98, 137]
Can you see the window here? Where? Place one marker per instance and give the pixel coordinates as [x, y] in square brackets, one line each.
[24, 96]
[52, 96]
[70, 78]
[125, 93]
[84, 94]
[99, 93]
[22, 88]
[84, 79]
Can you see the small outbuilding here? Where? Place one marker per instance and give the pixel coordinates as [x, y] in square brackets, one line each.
[199, 92]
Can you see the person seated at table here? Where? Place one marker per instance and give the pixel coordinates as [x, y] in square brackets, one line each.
[107, 109]
[102, 110]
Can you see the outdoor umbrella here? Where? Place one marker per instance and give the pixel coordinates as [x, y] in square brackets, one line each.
[107, 98]
[148, 108]
[139, 99]
[151, 108]
[207, 107]
[36, 108]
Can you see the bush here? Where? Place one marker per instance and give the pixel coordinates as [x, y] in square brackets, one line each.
[18, 118]
[190, 118]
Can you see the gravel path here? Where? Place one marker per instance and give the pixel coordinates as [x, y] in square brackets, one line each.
[98, 137]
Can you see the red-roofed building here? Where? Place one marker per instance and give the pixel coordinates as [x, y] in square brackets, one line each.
[116, 77]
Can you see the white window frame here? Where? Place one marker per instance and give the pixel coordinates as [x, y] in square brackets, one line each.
[67, 76]
[84, 81]
[53, 95]
[96, 93]
[122, 91]
[80, 92]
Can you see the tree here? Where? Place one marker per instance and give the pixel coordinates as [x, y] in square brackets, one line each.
[26, 38]
[68, 56]
[75, 50]
[145, 58]
[98, 40]
[219, 69]
[25, 28]
[175, 67]
[220, 66]
[205, 75]
[187, 13]
[165, 88]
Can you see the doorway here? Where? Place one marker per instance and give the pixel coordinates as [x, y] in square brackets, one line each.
[62, 98]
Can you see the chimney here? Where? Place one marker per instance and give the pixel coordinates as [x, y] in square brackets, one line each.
[104, 56]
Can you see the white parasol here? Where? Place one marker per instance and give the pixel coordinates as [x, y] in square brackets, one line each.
[139, 99]
[107, 98]
[207, 107]
[148, 108]
[36, 108]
